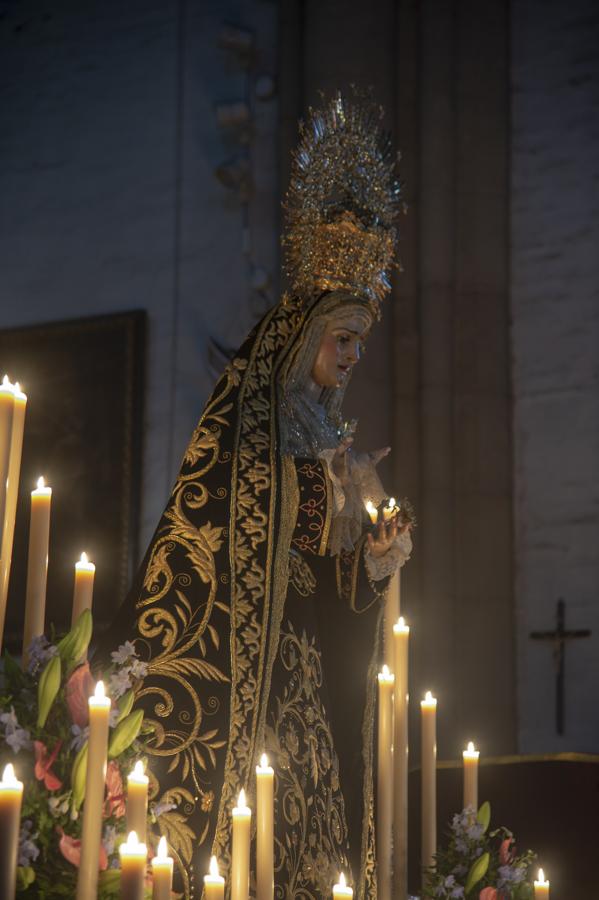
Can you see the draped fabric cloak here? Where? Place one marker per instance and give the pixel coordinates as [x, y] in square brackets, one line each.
[257, 640]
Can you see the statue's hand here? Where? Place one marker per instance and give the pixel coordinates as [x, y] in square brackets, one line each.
[375, 456]
[384, 534]
[340, 463]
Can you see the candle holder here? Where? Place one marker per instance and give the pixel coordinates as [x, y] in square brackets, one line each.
[390, 508]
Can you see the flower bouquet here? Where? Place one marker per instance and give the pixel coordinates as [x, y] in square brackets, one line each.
[479, 864]
[43, 732]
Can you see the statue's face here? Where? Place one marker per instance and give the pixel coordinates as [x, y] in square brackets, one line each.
[340, 349]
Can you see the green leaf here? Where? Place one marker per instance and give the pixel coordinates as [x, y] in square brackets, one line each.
[109, 884]
[125, 733]
[47, 690]
[125, 705]
[477, 871]
[25, 877]
[483, 816]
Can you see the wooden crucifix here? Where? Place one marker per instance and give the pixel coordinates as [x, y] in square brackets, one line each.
[558, 638]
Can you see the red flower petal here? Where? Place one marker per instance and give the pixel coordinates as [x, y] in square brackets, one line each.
[71, 850]
[78, 690]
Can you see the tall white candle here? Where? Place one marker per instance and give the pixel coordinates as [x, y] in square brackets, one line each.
[265, 876]
[84, 587]
[37, 565]
[392, 613]
[240, 863]
[162, 873]
[137, 801]
[341, 890]
[541, 887]
[133, 856]
[91, 832]
[7, 408]
[401, 635]
[470, 756]
[384, 816]
[428, 769]
[11, 798]
[214, 883]
[12, 493]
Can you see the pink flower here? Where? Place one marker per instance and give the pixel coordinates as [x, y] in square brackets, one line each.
[71, 850]
[79, 688]
[507, 852]
[44, 763]
[115, 797]
[488, 893]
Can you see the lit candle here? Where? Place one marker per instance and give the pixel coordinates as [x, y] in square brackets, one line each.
[428, 773]
[342, 891]
[389, 510]
[401, 635]
[372, 511]
[471, 776]
[214, 884]
[240, 863]
[162, 873]
[37, 565]
[133, 856]
[541, 887]
[91, 832]
[265, 878]
[11, 796]
[12, 492]
[384, 816]
[84, 587]
[137, 800]
[7, 408]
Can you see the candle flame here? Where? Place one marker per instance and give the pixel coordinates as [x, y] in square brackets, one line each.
[17, 387]
[99, 693]
[428, 697]
[241, 799]
[370, 508]
[132, 839]
[264, 761]
[213, 868]
[392, 503]
[6, 382]
[541, 875]
[41, 483]
[401, 622]
[342, 880]
[83, 558]
[9, 779]
[162, 849]
[138, 769]
[386, 671]
[470, 747]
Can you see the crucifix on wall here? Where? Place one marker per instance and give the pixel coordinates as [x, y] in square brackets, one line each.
[558, 638]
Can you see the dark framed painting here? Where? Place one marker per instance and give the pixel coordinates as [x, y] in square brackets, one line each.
[84, 381]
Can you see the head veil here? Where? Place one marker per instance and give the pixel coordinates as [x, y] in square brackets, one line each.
[207, 603]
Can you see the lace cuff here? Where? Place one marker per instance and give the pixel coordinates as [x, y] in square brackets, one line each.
[383, 566]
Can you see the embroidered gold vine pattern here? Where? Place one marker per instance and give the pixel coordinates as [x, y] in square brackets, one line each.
[309, 800]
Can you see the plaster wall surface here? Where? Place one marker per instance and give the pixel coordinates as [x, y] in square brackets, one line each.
[108, 145]
[555, 340]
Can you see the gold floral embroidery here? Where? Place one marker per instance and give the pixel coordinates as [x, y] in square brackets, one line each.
[300, 574]
[314, 847]
[179, 637]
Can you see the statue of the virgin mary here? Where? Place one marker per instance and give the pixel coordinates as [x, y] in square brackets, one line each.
[258, 605]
